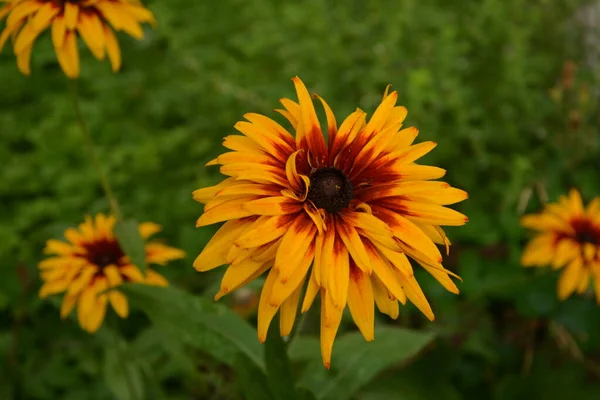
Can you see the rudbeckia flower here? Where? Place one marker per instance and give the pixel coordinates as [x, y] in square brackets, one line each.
[342, 214]
[93, 20]
[91, 264]
[568, 238]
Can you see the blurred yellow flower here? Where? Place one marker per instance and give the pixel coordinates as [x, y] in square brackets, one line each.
[92, 262]
[68, 19]
[354, 208]
[569, 238]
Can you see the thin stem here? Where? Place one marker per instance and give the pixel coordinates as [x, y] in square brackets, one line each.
[91, 148]
[297, 329]
[123, 363]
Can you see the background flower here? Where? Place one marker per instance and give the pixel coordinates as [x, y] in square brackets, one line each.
[568, 238]
[353, 208]
[91, 264]
[92, 20]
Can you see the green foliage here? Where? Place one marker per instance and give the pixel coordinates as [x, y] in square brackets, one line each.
[358, 362]
[485, 79]
[131, 242]
[279, 369]
[209, 326]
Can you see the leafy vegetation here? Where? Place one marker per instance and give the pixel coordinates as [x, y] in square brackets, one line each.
[500, 85]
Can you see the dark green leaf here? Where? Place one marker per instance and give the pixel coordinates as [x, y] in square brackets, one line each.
[131, 242]
[279, 369]
[251, 381]
[356, 362]
[122, 376]
[191, 316]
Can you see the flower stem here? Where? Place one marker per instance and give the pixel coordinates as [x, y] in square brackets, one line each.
[297, 328]
[91, 148]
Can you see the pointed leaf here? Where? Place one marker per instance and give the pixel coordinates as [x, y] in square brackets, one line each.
[192, 316]
[356, 362]
[131, 242]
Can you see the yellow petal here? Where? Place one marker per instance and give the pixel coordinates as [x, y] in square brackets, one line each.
[361, 302]
[119, 303]
[266, 311]
[68, 55]
[148, 229]
[239, 274]
[287, 313]
[54, 287]
[272, 206]
[294, 246]
[331, 316]
[570, 278]
[338, 275]
[264, 230]
[386, 302]
[24, 61]
[112, 48]
[228, 210]
[91, 30]
[311, 291]
[155, 279]
[355, 246]
[215, 252]
[96, 316]
[20, 11]
[67, 306]
[71, 14]
[431, 213]
[159, 253]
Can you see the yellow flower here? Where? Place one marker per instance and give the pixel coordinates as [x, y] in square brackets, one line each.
[569, 237]
[92, 262]
[90, 19]
[354, 208]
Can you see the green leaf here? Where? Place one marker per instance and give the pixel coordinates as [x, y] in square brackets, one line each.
[131, 242]
[279, 369]
[356, 362]
[122, 376]
[192, 316]
[252, 382]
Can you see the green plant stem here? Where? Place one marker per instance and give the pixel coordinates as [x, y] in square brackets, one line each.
[297, 329]
[91, 148]
[123, 363]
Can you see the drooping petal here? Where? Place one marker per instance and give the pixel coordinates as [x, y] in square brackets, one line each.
[331, 316]
[288, 311]
[361, 302]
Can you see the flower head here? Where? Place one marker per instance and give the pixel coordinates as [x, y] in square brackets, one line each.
[91, 264]
[90, 19]
[341, 214]
[568, 238]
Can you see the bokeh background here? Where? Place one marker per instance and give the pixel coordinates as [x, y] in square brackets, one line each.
[508, 88]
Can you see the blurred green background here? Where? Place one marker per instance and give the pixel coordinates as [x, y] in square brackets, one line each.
[506, 87]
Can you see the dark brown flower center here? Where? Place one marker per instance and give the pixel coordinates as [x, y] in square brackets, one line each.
[330, 189]
[586, 237]
[586, 232]
[104, 253]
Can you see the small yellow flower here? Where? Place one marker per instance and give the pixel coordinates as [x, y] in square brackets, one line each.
[342, 215]
[92, 262]
[569, 238]
[68, 19]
